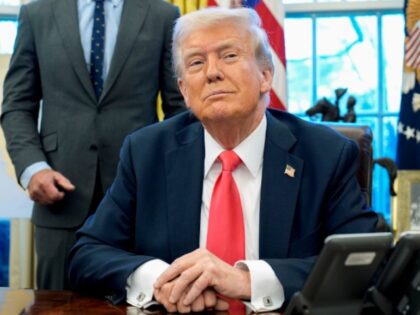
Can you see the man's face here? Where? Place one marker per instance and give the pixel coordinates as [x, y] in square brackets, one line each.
[221, 80]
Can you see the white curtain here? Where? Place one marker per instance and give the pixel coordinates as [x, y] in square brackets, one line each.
[22, 254]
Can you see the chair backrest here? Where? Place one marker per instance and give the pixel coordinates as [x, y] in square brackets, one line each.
[362, 135]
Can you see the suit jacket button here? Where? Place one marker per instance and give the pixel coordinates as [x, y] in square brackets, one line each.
[93, 147]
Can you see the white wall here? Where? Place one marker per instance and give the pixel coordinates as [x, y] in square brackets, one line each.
[14, 203]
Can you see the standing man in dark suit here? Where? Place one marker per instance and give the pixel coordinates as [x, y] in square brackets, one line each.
[84, 74]
[283, 185]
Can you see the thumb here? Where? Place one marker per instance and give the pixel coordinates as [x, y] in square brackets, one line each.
[63, 182]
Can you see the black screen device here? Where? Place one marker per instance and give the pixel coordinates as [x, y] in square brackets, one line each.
[342, 275]
[398, 286]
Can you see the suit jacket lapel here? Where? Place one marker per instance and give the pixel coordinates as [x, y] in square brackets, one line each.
[184, 168]
[278, 190]
[65, 13]
[132, 18]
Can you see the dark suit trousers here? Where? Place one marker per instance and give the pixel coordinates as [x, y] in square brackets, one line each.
[52, 247]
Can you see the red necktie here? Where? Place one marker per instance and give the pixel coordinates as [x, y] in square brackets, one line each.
[226, 235]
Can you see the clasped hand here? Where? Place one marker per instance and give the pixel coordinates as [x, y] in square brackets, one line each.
[199, 280]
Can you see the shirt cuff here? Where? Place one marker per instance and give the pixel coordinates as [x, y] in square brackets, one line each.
[267, 293]
[30, 171]
[140, 283]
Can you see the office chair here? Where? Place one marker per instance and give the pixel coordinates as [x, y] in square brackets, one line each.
[362, 135]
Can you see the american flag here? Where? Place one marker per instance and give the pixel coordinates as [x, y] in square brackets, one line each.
[408, 152]
[272, 15]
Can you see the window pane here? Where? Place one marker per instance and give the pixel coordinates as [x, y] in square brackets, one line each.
[381, 196]
[393, 54]
[378, 194]
[389, 140]
[7, 34]
[346, 58]
[297, 1]
[298, 41]
[10, 2]
[389, 137]
[383, 146]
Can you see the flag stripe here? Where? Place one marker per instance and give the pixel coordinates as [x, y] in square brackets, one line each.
[272, 16]
[277, 10]
[279, 85]
[273, 29]
[412, 51]
[413, 41]
[275, 101]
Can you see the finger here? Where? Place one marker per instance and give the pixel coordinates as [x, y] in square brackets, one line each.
[45, 194]
[186, 279]
[221, 305]
[168, 275]
[197, 288]
[171, 308]
[210, 298]
[63, 182]
[198, 304]
[50, 193]
[34, 194]
[160, 298]
[38, 183]
[182, 308]
[173, 271]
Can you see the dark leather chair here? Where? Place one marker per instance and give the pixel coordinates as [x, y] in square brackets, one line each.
[362, 135]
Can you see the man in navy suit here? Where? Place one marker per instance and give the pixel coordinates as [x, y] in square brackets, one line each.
[147, 241]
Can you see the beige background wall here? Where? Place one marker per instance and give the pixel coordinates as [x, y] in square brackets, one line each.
[14, 202]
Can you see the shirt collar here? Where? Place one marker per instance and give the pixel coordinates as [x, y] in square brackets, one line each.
[250, 150]
[114, 2]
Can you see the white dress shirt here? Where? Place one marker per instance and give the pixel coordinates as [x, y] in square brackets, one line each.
[266, 290]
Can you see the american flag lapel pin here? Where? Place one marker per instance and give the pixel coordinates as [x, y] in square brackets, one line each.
[289, 171]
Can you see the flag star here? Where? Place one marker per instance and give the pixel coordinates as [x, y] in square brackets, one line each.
[400, 127]
[409, 132]
[418, 135]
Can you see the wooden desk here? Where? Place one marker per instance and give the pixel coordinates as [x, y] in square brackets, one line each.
[34, 302]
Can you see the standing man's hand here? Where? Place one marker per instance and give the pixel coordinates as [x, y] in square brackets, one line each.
[48, 186]
[199, 270]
